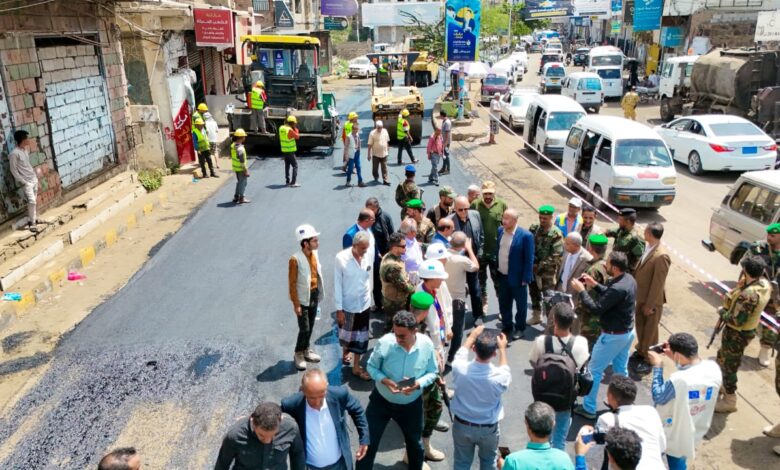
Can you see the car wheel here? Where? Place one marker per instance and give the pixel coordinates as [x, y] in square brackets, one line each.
[694, 164]
[666, 109]
[596, 109]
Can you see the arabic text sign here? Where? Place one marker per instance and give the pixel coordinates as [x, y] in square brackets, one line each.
[768, 26]
[672, 36]
[535, 9]
[647, 15]
[615, 27]
[462, 30]
[339, 7]
[617, 6]
[591, 7]
[213, 28]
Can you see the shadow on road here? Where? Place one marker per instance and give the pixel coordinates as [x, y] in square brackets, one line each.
[278, 371]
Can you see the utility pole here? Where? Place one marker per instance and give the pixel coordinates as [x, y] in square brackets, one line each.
[511, 7]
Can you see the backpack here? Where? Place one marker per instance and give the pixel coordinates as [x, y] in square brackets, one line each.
[555, 376]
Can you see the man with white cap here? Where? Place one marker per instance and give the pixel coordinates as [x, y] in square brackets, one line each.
[378, 149]
[571, 221]
[304, 279]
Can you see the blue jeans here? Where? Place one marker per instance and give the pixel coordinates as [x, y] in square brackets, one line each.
[240, 184]
[561, 429]
[434, 176]
[676, 463]
[354, 162]
[609, 349]
[466, 438]
[506, 296]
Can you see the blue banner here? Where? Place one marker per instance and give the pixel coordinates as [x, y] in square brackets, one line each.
[617, 6]
[462, 30]
[536, 9]
[647, 15]
[672, 36]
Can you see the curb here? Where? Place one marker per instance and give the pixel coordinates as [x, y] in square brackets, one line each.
[55, 278]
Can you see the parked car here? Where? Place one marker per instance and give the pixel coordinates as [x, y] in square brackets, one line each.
[751, 205]
[492, 84]
[514, 106]
[718, 142]
[361, 67]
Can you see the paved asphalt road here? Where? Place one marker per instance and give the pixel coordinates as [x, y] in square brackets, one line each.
[205, 329]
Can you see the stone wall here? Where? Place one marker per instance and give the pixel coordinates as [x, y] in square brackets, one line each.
[732, 29]
[350, 50]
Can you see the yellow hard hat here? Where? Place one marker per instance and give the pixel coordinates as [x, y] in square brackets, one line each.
[352, 115]
[199, 121]
[202, 107]
[405, 112]
[239, 133]
[260, 84]
[292, 119]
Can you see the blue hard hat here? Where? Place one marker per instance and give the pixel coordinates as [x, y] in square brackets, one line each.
[411, 169]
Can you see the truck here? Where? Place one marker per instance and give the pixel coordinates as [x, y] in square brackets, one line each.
[425, 70]
[389, 99]
[288, 67]
[743, 82]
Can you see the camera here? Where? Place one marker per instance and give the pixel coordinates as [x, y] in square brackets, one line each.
[658, 348]
[596, 436]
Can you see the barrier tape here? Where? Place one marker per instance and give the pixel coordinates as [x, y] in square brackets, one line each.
[766, 319]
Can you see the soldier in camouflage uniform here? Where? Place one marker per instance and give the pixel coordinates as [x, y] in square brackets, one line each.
[548, 246]
[396, 285]
[425, 228]
[741, 311]
[769, 252]
[627, 238]
[407, 190]
[590, 327]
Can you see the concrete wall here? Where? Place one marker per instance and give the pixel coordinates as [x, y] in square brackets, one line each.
[733, 29]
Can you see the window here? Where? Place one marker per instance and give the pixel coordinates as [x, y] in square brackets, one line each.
[563, 121]
[590, 84]
[575, 137]
[680, 125]
[603, 60]
[609, 74]
[543, 120]
[605, 151]
[555, 71]
[261, 5]
[696, 128]
[755, 202]
[642, 152]
[731, 129]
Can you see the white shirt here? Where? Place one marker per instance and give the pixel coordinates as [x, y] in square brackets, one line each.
[648, 249]
[212, 129]
[479, 389]
[503, 250]
[643, 420]
[378, 142]
[571, 260]
[19, 161]
[579, 349]
[495, 108]
[353, 281]
[413, 257]
[322, 443]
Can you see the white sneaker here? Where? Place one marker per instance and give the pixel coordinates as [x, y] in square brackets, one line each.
[311, 356]
[764, 355]
[299, 361]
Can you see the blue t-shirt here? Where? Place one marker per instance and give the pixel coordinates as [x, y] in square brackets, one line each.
[538, 456]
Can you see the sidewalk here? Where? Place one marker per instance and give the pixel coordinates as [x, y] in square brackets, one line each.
[734, 440]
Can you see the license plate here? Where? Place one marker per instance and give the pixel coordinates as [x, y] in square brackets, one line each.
[749, 150]
[646, 198]
[554, 80]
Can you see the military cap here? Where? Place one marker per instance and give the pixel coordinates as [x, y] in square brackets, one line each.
[414, 204]
[447, 192]
[598, 239]
[773, 229]
[421, 300]
[546, 210]
[627, 212]
[411, 169]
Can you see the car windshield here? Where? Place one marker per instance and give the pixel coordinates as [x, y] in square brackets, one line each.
[550, 58]
[555, 72]
[495, 81]
[731, 129]
[360, 62]
[583, 51]
[591, 83]
[641, 152]
[563, 121]
[520, 100]
[606, 60]
[609, 74]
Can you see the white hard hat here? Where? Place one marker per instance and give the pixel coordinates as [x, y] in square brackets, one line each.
[432, 269]
[575, 201]
[437, 251]
[305, 231]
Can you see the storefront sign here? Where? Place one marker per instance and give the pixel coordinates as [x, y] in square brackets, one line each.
[768, 26]
[647, 15]
[339, 7]
[182, 134]
[213, 27]
[461, 30]
[672, 36]
[282, 15]
[615, 27]
[591, 7]
[617, 6]
[536, 9]
[628, 14]
[335, 23]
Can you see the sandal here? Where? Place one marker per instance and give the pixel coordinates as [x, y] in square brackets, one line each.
[361, 374]
[346, 359]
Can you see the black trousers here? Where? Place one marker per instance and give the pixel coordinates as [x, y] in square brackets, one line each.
[290, 162]
[377, 285]
[204, 158]
[458, 323]
[405, 144]
[306, 322]
[409, 418]
[472, 281]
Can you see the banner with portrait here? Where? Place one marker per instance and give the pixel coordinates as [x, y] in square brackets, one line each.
[461, 30]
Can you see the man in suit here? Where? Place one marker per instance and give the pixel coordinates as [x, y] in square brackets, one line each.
[650, 278]
[470, 223]
[319, 411]
[365, 220]
[515, 271]
[576, 261]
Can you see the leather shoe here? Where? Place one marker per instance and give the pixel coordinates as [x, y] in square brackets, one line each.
[518, 334]
[642, 368]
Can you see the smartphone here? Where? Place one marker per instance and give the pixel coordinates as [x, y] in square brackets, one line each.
[587, 438]
[504, 451]
[658, 348]
[406, 383]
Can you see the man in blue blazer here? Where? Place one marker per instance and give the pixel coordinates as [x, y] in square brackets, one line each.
[515, 272]
[319, 411]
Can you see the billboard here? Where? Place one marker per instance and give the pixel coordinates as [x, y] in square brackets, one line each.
[617, 6]
[397, 14]
[338, 7]
[213, 28]
[461, 32]
[647, 15]
[672, 36]
[536, 9]
[768, 26]
[592, 7]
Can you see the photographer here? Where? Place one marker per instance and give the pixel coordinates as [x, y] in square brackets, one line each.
[686, 402]
[623, 448]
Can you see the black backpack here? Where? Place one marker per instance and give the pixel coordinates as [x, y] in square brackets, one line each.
[555, 376]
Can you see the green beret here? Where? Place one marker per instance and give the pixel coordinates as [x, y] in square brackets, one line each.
[546, 210]
[774, 228]
[421, 300]
[598, 239]
[414, 204]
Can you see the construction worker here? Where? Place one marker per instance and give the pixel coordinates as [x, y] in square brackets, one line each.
[257, 103]
[288, 134]
[402, 133]
[628, 103]
[203, 148]
[198, 114]
[352, 118]
[240, 165]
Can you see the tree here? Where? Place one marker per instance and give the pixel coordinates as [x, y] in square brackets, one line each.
[427, 37]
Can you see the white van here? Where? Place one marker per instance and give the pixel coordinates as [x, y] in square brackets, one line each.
[607, 62]
[547, 123]
[553, 74]
[585, 88]
[623, 161]
[515, 72]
